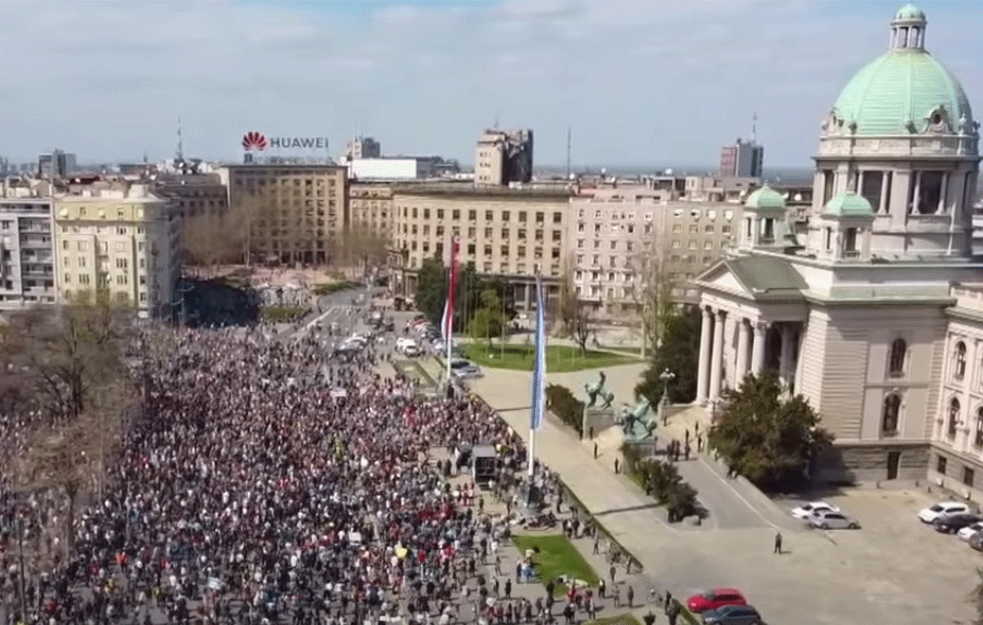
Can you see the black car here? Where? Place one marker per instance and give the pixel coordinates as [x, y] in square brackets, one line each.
[952, 523]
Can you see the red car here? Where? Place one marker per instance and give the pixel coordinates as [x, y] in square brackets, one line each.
[713, 599]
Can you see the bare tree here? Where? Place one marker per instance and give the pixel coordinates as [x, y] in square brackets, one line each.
[61, 356]
[652, 286]
[206, 240]
[576, 316]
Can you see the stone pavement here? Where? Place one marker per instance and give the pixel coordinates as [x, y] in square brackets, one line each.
[814, 583]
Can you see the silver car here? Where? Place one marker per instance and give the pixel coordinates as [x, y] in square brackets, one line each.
[829, 520]
[732, 615]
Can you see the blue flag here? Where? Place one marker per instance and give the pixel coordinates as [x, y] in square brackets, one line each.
[539, 367]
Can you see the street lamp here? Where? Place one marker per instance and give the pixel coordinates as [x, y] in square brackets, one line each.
[666, 377]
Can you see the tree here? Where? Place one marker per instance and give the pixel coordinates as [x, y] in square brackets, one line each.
[769, 439]
[205, 240]
[562, 402]
[679, 353]
[488, 320]
[431, 289]
[651, 288]
[62, 357]
[576, 316]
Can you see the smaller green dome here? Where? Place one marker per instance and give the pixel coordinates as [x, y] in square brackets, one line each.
[848, 204]
[910, 13]
[766, 198]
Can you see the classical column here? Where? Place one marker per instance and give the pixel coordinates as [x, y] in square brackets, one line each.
[785, 359]
[743, 347]
[965, 431]
[758, 351]
[717, 359]
[704, 367]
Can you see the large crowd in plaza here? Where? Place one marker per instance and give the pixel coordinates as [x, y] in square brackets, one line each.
[266, 483]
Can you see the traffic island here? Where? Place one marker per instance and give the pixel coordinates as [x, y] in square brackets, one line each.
[555, 558]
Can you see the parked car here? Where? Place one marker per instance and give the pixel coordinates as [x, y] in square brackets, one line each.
[967, 532]
[806, 510]
[928, 515]
[829, 520]
[976, 541]
[715, 599]
[952, 523]
[732, 615]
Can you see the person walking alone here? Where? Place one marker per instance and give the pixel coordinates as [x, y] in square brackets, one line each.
[778, 544]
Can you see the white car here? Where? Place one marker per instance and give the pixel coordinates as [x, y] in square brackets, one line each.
[806, 510]
[967, 532]
[939, 510]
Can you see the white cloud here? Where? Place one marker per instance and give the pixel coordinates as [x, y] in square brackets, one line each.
[647, 81]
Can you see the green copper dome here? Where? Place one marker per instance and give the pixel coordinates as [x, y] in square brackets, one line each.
[848, 205]
[910, 13]
[766, 198]
[905, 91]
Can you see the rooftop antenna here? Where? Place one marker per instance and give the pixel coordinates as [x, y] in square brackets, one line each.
[497, 115]
[180, 141]
[569, 135]
[754, 127]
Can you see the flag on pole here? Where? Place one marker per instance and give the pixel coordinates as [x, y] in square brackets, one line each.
[539, 366]
[447, 322]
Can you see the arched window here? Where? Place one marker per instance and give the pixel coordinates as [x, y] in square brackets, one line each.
[959, 361]
[953, 421]
[895, 365]
[889, 416]
[978, 439]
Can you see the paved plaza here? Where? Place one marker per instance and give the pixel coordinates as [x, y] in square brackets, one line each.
[893, 570]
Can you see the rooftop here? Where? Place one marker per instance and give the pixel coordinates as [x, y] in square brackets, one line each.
[470, 189]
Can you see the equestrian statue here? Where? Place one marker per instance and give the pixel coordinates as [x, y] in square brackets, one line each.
[634, 421]
[597, 391]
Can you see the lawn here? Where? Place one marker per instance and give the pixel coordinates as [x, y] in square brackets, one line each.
[618, 619]
[557, 556]
[559, 358]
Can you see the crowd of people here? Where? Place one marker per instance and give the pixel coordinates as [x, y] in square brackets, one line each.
[264, 482]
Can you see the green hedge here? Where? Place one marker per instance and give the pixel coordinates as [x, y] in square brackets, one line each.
[661, 480]
[284, 314]
[561, 402]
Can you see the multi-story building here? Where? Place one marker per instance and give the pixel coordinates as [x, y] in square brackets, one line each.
[27, 272]
[874, 314]
[193, 194]
[743, 159]
[56, 164]
[291, 213]
[124, 241]
[621, 237]
[512, 233]
[363, 147]
[503, 157]
[370, 205]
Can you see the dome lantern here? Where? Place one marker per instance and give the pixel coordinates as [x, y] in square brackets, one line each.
[908, 29]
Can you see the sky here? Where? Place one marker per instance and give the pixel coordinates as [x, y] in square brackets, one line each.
[639, 82]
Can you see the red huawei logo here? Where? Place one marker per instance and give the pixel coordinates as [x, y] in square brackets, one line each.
[253, 141]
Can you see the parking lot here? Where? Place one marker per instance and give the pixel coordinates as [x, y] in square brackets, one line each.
[897, 562]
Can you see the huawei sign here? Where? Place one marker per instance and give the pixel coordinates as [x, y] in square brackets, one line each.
[254, 141]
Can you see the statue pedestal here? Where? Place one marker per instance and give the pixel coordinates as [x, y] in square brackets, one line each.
[646, 446]
[530, 499]
[599, 419]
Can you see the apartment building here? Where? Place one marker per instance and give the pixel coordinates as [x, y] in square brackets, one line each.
[27, 272]
[503, 157]
[292, 213]
[508, 232]
[122, 240]
[620, 237]
[193, 194]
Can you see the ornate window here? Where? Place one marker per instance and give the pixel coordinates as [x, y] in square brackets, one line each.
[889, 416]
[895, 365]
[959, 361]
[953, 420]
[978, 439]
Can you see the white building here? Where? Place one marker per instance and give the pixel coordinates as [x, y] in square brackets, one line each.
[868, 314]
[27, 275]
[392, 168]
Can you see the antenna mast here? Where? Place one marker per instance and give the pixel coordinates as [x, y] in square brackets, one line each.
[569, 136]
[180, 141]
[754, 128]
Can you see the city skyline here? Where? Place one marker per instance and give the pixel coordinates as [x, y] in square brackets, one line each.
[641, 84]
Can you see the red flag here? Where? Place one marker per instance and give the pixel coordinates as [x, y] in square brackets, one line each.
[451, 290]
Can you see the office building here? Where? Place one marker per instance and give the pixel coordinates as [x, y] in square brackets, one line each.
[124, 241]
[503, 157]
[743, 159]
[363, 147]
[506, 232]
[623, 237]
[193, 194]
[56, 164]
[874, 312]
[291, 213]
